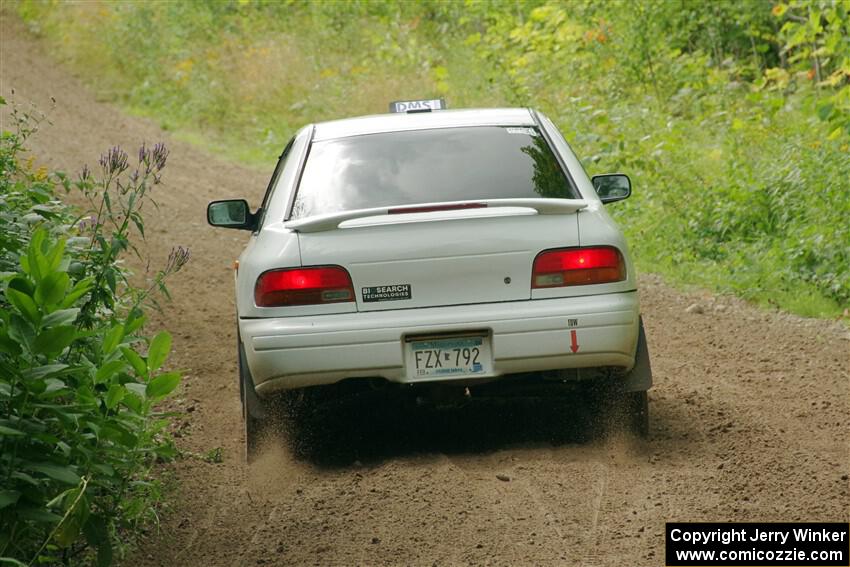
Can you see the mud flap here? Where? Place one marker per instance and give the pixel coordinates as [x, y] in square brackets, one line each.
[639, 378]
[259, 417]
[252, 405]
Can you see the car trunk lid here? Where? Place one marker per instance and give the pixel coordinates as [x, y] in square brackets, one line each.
[449, 256]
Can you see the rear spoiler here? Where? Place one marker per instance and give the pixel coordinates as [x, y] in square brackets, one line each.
[320, 223]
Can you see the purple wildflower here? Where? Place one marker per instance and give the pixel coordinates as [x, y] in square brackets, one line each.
[86, 223]
[159, 155]
[178, 258]
[114, 161]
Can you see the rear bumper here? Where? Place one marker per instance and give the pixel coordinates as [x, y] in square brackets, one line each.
[295, 352]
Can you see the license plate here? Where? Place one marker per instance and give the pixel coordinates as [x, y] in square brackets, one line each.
[448, 357]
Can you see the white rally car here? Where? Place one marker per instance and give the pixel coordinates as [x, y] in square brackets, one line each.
[435, 248]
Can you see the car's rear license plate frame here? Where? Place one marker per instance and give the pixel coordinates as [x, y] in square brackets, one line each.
[442, 357]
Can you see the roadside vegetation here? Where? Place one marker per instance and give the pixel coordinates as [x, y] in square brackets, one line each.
[732, 118]
[79, 376]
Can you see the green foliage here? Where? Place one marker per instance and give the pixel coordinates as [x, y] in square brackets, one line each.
[741, 186]
[816, 34]
[733, 118]
[78, 428]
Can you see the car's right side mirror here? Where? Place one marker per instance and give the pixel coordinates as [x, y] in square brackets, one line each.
[612, 186]
[231, 213]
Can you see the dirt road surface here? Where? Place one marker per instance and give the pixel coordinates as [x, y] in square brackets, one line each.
[751, 413]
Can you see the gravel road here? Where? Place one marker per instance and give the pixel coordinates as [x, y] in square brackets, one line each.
[750, 412]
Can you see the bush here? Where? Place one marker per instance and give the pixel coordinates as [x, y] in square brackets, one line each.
[79, 379]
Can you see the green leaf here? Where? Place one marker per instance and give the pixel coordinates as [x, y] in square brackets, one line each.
[136, 361]
[60, 317]
[108, 370]
[139, 222]
[56, 472]
[8, 497]
[12, 561]
[139, 389]
[124, 435]
[18, 475]
[54, 385]
[38, 515]
[46, 370]
[24, 304]
[81, 288]
[9, 345]
[115, 395]
[163, 385]
[54, 340]
[36, 263]
[64, 447]
[104, 469]
[95, 530]
[20, 330]
[68, 532]
[167, 451]
[52, 287]
[22, 284]
[60, 499]
[10, 432]
[112, 338]
[825, 111]
[158, 351]
[134, 398]
[109, 274]
[54, 257]
[135, 319]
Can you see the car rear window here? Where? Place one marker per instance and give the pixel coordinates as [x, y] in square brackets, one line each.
[427, 166]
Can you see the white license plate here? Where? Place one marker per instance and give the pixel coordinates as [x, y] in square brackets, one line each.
[449, 357]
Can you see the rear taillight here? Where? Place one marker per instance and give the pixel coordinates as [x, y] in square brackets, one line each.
[578, 266]
[303, 286]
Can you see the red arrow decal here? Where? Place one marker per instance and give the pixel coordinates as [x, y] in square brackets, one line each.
[573, 341]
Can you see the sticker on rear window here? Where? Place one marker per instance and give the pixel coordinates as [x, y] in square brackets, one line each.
[519, 130]
[387, 293]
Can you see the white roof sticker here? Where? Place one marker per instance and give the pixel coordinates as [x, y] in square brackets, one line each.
[418, 105]
[522, 130]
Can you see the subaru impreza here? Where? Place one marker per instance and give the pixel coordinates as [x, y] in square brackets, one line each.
[431, 248]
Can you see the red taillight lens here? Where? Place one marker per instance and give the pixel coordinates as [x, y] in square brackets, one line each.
[303, 286]
[578, 266]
